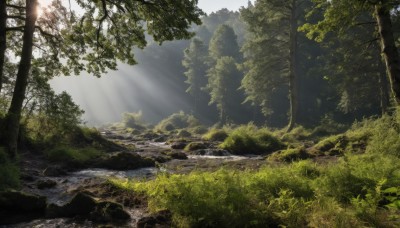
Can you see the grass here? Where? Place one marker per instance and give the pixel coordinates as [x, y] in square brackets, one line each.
[300, 194]
[215, 134]
[249, 139]
[67, 154]
[176, 121]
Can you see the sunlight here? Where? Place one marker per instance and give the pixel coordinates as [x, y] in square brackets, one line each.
[43, 4]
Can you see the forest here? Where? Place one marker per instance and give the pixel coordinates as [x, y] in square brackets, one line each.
[280, 114]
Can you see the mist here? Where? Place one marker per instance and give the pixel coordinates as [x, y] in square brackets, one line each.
[155, 86]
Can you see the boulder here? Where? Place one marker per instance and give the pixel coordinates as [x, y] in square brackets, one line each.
[85, 207]
[196, 146]
[54, 171]
[16, 206]
[80, 205]
[160, 219]
[123, 161]
[107, 211]
[42, 184]
[177, 155]
[178, 145]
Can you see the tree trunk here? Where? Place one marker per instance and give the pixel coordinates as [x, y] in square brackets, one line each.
[3, 39]
[293, 86]
[384, 90]
[14, 113]
[389, 49]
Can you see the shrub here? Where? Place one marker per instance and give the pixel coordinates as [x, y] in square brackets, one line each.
[133, 120]
[9, 173]
[177, 121]
[249, 139]
[215, 135]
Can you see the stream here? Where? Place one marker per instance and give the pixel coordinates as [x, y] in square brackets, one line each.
[68, 185]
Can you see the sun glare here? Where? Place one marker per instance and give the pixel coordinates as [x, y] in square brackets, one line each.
[43, 4]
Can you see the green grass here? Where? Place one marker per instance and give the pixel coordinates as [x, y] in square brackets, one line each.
[249, 139]
[300, 194]
[73, 155]
[215, 135]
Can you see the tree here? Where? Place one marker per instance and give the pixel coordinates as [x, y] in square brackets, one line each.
[223, 83]
[223, 76]
[106, 32]
[196, 72]
[271, 56]
[340, 15]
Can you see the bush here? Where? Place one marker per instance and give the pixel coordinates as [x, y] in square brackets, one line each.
[133, 120]
[215, 135]
[249, 139]
[9, 173]
[177, 121]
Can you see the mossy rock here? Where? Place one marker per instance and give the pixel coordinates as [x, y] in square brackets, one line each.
[333, 145]
[177, 155]
[196, 146]
[124, 161]
[109, 212]
[80, 205]
[183, 133]
[42, 184]
[16, 206]
[289, 155]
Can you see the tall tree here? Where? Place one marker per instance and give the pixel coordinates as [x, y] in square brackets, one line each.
[105, 33]
[271, 53]
[340, 15]
[223, 75]
[196, 72]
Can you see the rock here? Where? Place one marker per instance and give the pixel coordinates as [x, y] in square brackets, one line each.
[196, 146]
[18, 206]
[160, 219]
[109, 212]
[211, 152]
[81, 205]
[42, 184]
[54, 171]
[123, 161]
[162, 138]
[183, 133]
[177, 155]
[86, 207]
[178, 145]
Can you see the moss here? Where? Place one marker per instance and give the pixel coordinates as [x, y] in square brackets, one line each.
[249, 139]
[69, 155]
[195, 146]
[290, 155]
[215, 135]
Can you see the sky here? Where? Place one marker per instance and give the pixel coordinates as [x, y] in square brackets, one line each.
[129, 89]
[209, 6]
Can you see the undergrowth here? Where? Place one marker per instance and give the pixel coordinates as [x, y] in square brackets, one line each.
[300, 194]
[9, 172]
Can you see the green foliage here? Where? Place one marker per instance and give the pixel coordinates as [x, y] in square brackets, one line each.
[9, 172]
[290, 155]
[215, 134]
[133, 120]
[356, 192]
[249, 139]
[177, 121]
[71, 155]
[195, 146]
